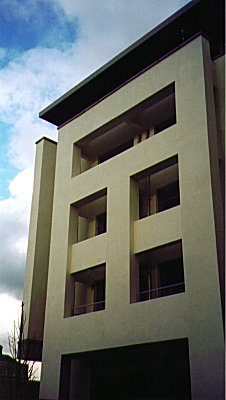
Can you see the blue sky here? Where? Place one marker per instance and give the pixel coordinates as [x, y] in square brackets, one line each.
[34, 23]
[47, 47]
[27, 25]
[7, 171]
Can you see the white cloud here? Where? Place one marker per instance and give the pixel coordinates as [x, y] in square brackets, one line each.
[14, 219]
[21, 186]
[9, 311]
[112, 25]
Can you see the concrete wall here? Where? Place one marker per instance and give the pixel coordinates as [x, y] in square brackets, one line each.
[35, 284]
[195, 314]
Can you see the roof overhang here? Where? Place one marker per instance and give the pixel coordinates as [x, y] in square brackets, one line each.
[198, 16]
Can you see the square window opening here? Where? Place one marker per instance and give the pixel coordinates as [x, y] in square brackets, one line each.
[89, 290]
[161, 272]
[158, 188]
[89, 216]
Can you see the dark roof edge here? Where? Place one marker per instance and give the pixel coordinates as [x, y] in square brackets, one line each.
[98, 85]
[46, 138]
[119, 56]
[134, 77]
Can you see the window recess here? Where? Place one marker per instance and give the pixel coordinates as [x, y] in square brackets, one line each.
[168, 196]
[160, 272]
[158, 188]
[120, 149]
[89, 290]
[90, 216]
[146, 119]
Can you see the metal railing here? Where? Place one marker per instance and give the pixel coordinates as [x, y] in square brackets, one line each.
[87, 308]
[161, 291]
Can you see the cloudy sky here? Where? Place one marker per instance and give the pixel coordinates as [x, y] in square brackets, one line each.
[47, 47]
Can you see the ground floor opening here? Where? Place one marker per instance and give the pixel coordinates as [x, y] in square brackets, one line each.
[156, 371]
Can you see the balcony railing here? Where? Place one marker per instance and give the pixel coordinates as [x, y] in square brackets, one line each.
[87, 308]
[161, 291]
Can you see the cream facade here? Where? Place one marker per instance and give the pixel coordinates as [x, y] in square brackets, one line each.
[97, 278]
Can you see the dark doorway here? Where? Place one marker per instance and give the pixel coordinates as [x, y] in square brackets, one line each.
[158, 371]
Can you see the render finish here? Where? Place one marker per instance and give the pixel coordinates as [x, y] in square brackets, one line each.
[194, 314]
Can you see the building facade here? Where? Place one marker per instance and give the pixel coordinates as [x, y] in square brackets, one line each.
[124, 280]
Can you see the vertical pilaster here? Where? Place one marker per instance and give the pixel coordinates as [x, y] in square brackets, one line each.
[35, 285]
[118, 245]
[198, 227]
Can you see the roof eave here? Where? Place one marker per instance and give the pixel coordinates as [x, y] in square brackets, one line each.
[87, 92]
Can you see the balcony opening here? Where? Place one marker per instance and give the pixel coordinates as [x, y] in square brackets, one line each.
[141, 122]
[158, 189]
[89, 290]
[90, 216]
[160, 272]
[166, 123]
[114, 152]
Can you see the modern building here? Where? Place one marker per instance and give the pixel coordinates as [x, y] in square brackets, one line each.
[124, 282]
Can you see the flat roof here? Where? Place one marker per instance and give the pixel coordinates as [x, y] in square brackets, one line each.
[198, 16]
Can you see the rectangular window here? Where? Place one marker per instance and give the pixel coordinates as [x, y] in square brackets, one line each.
[161, 272]
[89, 290]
